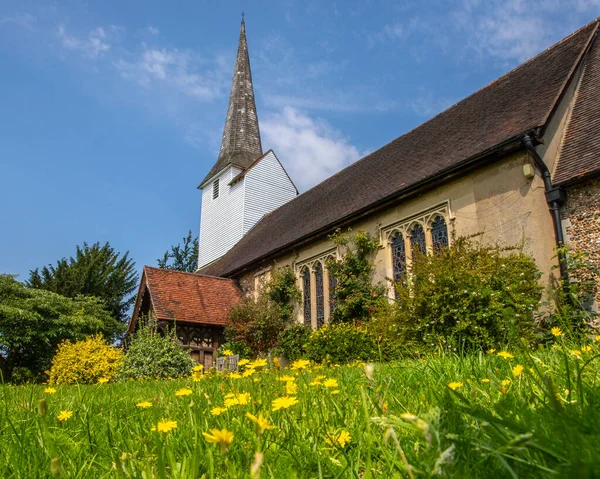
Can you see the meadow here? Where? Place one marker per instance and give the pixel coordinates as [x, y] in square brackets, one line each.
[495, 414]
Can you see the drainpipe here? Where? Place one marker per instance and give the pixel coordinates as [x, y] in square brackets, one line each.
[555, 197]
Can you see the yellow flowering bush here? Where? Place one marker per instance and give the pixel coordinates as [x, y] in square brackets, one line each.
[87, 361]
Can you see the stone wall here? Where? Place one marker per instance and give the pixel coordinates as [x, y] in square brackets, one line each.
[581, 220]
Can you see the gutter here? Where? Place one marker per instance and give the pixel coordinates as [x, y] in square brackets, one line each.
[555, 197]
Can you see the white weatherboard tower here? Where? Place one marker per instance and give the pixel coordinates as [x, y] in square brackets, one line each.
[244, 184]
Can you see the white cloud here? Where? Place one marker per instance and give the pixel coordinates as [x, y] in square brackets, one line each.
[153, 30]
[25, 20]
[93, 45]
[311, 150]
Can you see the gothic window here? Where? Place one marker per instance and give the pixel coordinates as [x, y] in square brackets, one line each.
[320, 299]
[417, 240]
[398, 256]
[332, 298]
[439, 234]
[306, 294]
[216, 189]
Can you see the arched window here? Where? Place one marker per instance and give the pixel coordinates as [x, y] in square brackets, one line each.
[398, 256]
[332, 297]
[439, 234]
[417, 240]
[320, 294]
[306, 294]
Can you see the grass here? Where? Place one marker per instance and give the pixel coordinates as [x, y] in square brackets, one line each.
[403, 420]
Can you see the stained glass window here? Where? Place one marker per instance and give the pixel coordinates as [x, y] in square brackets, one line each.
[320, 294]
[332, 297]
[439, 234]
[306, 291]
[417, 240]
[398, 256]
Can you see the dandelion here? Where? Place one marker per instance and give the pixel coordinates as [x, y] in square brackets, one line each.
[340, 439]
[286, 379]
[144, 404]
[228, 352]
[586, 349]
[164, 425]
[335, 391]
[455, 385]
[597, 338]
[183, 392]
[300, 364]
[64, 415]
[198, 368]
[491, 351]
[243, 362]
[217, 411]
[102, 380]
[485, 380]
[258, 363]
[262, 422]
[235, 375]
[291, 388]
[49, 390]
[284, 402]
[517, 370]
[223, 438]
[248, 372]
[233, 401]
[330, 383]
[197, 376]
[556, 332]
[243, 398]
[505, 355]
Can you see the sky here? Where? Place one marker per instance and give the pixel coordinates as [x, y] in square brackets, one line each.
[111, 112]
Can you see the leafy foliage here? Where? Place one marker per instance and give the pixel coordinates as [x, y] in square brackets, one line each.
[182, 257]
[282, 290]
[33, 323]
[153, 356]
[342, 343]
[467, 295]
[85, 362]
[95, 270]
[357, 298]
[293, 340]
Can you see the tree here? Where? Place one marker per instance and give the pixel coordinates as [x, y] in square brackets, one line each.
[95, 270]
[184, 258]
[33, 322]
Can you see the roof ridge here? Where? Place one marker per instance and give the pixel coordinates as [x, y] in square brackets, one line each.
[198, 275]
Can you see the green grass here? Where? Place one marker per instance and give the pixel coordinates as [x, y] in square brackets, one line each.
[543, 424]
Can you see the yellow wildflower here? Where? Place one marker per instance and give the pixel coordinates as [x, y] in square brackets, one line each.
[183, 392]
[517, 370]
[505, 382]
[248, 372]
[556, 332]
[597, 338]
[491, 351]
[228, 352]
[198, 367]
[286, 379]
[258, 363]
[164, 425]
[235, 375]
[340, 439]
[102, 380]
[330, 383]
[223, 437]
[291, 388]
[505, 355]
[144, 404]
[455, 385]
[262, 422]
[276, 362]
[49, 390]
[243, 398]
[576, 352]
[300, 364]
[231, 402]
[197, 376]
[64, 415]
[586, 349]
[243, 362]
[284, 402]
[335, 391]
[217, 411]
[485, 380]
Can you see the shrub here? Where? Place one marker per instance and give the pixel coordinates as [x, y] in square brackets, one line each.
[282, 290]
[293, 341]
[357, 298]
[151, 355]
[468, 295]
[85, 361]
[342, 343]
[256, 324]
[235, 347]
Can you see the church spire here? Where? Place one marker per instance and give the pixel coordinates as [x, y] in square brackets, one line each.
[241, 137]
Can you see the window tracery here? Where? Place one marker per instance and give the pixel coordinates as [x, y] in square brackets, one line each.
[439, 233]
[306, 295]
[398, 256]
[417, 240]
[320, 294]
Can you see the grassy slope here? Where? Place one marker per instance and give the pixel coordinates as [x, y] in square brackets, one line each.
[544, 421]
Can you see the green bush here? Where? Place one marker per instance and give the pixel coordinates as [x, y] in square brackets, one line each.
[467, 296]
[293, 341]
[342, 343]
[153, 356]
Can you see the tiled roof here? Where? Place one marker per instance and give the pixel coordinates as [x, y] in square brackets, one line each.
[516, 103]
[580, 152]
[189, 297]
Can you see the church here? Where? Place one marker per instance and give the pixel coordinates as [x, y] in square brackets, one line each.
[518, 160]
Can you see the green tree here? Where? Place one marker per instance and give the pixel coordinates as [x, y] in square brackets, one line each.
[182, 257]
[33, 322]
[95, 270]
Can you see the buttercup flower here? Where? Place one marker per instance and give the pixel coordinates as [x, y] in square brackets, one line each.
[183, 392]
[556, 332]
[517, 370]
[262, 422]
[144, 404]
[217, 411]
[455, 385]
[505, 355]
[284, 402]
[300, 364]
[49, 390]
[340, 439]
[64, 415]
[223, 438]
[164, 425]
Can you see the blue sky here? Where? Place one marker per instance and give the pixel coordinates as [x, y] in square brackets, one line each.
[111, 112]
